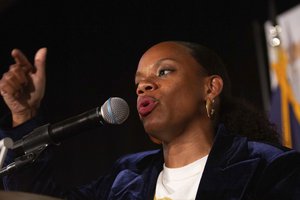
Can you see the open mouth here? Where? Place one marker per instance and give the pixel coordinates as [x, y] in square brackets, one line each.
[146, 105]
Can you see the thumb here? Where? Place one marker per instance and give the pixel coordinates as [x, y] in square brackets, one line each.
[40, 61]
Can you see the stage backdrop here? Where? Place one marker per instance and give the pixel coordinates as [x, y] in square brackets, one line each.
[283, 42]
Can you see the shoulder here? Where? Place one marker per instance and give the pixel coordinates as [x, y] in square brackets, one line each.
[278, 172]
[245, 148]
[272, 152]
[137, 160]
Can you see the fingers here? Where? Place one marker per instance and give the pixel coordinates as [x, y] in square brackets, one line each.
[19, 74]
[13, 82]
[21, 59]
[7, 86]
[40, 61]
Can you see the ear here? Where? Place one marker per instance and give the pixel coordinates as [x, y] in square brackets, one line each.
[214, 86]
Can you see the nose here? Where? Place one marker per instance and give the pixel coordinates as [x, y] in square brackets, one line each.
[145, 86]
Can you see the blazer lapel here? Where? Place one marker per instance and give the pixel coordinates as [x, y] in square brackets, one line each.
[228, 170]
[139, 183]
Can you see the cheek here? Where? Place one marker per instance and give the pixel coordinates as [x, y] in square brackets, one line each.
[184, 102]
[189, 96]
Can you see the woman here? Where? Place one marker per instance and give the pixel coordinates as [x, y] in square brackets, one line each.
[213, 147]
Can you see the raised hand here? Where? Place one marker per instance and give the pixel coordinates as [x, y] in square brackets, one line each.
[23, 85]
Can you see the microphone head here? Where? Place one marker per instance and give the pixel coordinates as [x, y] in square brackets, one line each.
[115, 110]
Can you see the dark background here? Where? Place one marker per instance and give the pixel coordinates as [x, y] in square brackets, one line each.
[93, 51]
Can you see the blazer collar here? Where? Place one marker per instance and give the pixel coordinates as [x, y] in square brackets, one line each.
[226, 175]
[228, 168]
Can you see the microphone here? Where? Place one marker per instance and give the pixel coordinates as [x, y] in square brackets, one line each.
[114, 111]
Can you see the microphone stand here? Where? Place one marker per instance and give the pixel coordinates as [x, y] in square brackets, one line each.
[29, 157]
[5, 144]
[22, 160]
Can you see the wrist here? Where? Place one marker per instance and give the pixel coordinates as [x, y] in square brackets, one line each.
[20, 118]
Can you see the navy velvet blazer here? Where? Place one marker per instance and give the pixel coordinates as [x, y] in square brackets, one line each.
[236, 169]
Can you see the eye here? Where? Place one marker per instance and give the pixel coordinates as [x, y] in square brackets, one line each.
[163, 72]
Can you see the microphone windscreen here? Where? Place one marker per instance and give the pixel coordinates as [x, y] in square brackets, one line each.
[115, 110]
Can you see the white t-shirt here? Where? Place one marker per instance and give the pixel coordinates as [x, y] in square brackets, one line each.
[180, 183]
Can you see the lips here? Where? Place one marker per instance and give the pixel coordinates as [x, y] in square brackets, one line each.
[146, 105]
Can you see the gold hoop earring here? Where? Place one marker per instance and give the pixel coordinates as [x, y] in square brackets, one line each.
[210, 110]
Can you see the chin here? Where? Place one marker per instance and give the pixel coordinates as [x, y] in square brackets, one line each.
[151, 126]
[154, 139]
[155, 132]
[150, 130]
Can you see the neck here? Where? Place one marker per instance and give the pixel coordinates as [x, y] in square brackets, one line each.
[188, 147]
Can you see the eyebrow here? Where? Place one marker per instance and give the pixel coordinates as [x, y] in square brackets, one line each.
[137, 74]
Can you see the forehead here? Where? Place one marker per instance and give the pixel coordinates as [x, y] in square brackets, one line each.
[165, 50]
